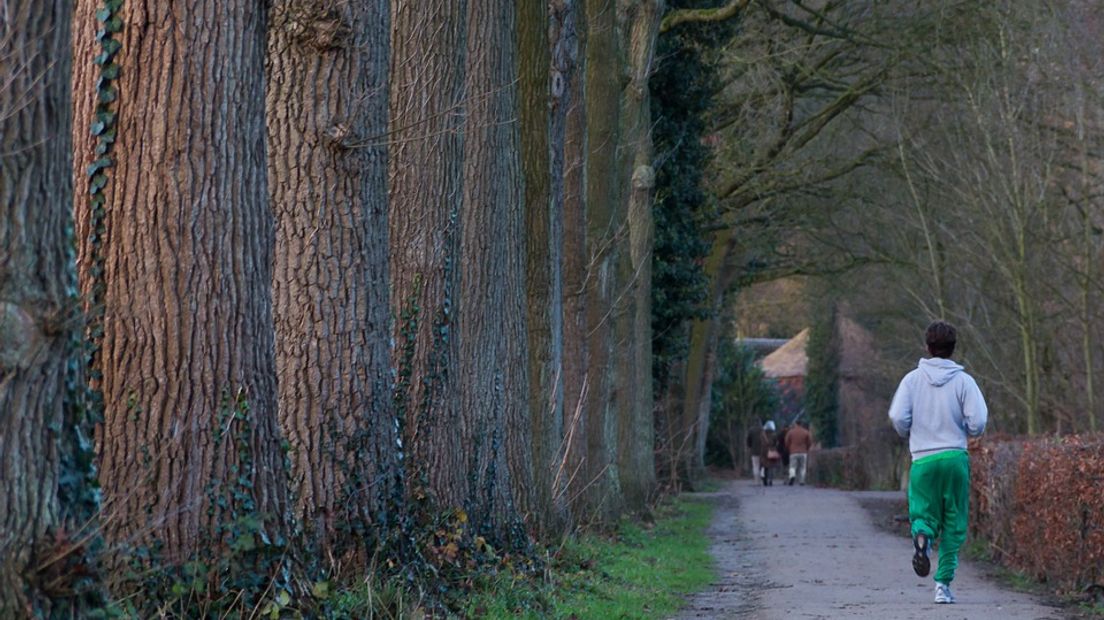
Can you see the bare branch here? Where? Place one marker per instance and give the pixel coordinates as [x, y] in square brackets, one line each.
[687, 16]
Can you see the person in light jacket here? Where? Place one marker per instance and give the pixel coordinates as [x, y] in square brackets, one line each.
[937, 406]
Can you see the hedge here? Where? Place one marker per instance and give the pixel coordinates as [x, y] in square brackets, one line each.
[1039, 503]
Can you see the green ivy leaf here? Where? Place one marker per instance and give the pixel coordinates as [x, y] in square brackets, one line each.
[103, 14]
[110, 72]
[113, 25]
[103, 162]
[111, 46]
[107, 95]
[97, 127]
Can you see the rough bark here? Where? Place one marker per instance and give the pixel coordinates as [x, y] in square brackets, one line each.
[326, 106]
[605, 226]
[37, 281]
[544, 63]
[571, 475]
[425, 189]
[491, 314]
[457, 256]
[636, 433]
[187, 360]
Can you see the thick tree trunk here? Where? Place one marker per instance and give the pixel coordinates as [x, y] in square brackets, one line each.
[491, 321]
[542, 119]
[458, 257]
[188, 375]
[425, 189]
[605, 225]
[326, 106]
[571, 474]
[37, 282]
[636, 433]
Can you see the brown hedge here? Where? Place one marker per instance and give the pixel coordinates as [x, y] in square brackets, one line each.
[879, 461]
[1039, 503]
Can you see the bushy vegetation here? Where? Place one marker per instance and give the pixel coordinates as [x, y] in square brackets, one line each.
[743, 397]
[822, 380]
[1038, 503]
[683, 89]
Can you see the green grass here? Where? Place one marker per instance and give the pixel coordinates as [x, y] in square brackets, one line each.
[641, 572]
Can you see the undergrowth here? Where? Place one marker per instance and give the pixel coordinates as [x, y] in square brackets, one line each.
[641, 571]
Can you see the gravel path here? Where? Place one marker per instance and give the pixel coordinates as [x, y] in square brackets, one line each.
[799, 552]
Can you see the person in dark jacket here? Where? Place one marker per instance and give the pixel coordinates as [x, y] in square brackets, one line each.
[754, 447]
[780, 445]
[768, 453]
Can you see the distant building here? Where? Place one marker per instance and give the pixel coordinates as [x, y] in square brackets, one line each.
[787, 367]
[762, 347]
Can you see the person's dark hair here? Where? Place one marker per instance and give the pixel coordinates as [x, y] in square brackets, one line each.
[940, 338]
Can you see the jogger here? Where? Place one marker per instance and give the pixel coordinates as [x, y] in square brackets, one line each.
[937, 406]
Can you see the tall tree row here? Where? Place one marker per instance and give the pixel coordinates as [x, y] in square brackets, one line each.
[339, 261]
[609, 440]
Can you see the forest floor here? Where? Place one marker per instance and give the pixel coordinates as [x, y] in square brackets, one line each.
[803, 552]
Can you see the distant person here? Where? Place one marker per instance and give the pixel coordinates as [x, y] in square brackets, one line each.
[937, 406]
[754, 446]
[798, 443]
[768, 453]
[780, 445]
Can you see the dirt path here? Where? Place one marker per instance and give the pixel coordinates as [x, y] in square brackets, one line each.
[798, 552]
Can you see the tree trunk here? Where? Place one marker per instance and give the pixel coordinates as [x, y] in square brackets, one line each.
[457, 257]
[37, 308]
[701, 362]
[571, 474]
[605, 225]
[636, 436]
[424, 186]
[327, 119]
[542, 119]
[189, 440]
[493, 386]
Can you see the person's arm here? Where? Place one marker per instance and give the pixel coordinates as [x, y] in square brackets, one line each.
[900, 410]
[974, 411]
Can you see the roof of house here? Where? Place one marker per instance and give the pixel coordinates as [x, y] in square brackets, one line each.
[790, 360]
[762, 347]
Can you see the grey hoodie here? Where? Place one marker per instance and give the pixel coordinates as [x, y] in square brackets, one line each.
[936, 406]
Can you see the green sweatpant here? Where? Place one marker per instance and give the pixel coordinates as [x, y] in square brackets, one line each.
[939, 504]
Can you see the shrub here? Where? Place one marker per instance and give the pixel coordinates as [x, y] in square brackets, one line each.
[1039, 504]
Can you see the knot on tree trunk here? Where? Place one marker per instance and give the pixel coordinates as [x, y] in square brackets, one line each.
[20, 337]
[643, 178]
[319, 25]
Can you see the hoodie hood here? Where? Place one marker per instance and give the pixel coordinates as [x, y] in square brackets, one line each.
[938, 371]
